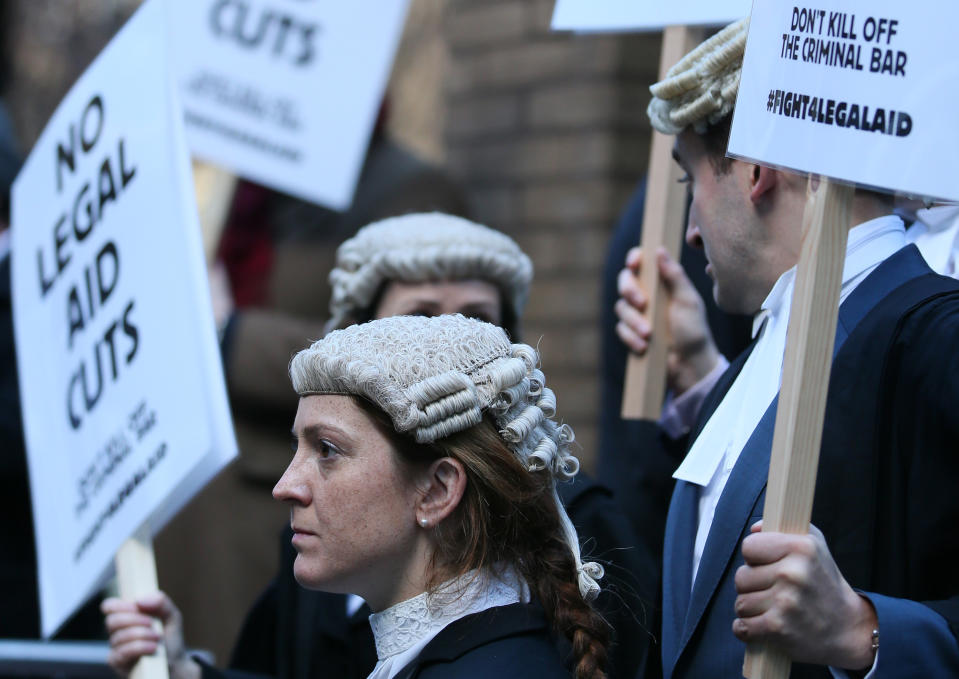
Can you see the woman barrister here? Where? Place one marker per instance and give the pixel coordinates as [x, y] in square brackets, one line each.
[424, 480]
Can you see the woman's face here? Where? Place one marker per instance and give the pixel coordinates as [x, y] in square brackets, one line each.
[471, 297]
[352, 511]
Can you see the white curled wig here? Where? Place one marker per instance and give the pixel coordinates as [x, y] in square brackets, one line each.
[700, 90]
[437, 376]
[422, 247]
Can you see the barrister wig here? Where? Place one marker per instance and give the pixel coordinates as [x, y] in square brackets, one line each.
[423, 247]
[455, 387]
[700, 90]
[438, 376]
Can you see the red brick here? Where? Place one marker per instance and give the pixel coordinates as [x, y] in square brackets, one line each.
[495, 207]
[577, 395]
[482, 117]
[572, 349]
[564, 252]
[578, 104]
[486, 24]
[533, 61]
[595, 199]
[572, 299]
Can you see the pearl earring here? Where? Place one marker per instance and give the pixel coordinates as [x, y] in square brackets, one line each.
[424, 522]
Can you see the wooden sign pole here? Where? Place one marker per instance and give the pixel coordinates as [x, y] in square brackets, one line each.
[136, 577]
[663, 212]
[802, 398]
[214, 194]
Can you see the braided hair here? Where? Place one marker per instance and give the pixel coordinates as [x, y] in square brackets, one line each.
[508, 517]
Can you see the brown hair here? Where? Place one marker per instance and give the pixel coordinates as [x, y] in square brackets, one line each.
[508, 516]
[715, 140]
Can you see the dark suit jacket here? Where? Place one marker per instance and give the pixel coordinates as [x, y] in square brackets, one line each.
[502, 642]
[885, 494]
[505, 642]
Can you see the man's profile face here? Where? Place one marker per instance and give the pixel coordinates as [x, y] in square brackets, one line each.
[721, 223]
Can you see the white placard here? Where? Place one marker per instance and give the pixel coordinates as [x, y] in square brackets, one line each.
[285, 93]
[864, 91]
[124, 405]
[644, 15]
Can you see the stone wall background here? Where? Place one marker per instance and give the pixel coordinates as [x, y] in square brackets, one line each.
[49, 44]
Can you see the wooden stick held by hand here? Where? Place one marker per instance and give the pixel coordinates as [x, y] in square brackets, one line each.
[807, 363]
[214, 188]
[663, 213]
[136, 577]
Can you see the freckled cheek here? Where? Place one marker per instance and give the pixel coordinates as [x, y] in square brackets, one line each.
[363, 514]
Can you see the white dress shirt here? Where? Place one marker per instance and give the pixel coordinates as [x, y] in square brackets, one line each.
[715, 452]
[403, 630]
[936, 234]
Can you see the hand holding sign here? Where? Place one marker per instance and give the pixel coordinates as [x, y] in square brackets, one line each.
[131, 627]
[692, 353]
[792, 595]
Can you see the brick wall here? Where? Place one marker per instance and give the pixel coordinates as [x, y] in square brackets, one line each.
[49, 43]
[548, 133]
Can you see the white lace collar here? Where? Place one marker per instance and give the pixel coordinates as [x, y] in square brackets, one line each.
[415, 621]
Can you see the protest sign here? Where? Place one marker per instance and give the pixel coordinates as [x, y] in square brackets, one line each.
[285, 93]
[644, 15]
[124, 406]
[859, 91]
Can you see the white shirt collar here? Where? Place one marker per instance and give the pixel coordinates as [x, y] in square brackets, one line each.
[776, 300]
[411, 624]
[871, 243]
[936, 234]
[938, 217]
[867, 246]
